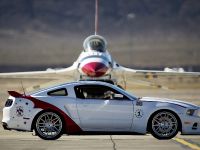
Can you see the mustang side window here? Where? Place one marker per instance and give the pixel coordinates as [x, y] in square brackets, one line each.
[98, 92]
[58, 92]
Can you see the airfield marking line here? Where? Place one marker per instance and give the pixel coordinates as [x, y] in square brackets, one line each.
[190, 145]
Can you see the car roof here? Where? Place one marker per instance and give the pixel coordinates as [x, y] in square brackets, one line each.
[91, 82]
[68, 84]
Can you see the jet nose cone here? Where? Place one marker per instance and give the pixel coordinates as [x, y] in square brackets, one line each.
[95, 69]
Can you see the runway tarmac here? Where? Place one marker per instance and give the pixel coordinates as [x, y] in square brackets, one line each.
[13, 140]
[86, 143]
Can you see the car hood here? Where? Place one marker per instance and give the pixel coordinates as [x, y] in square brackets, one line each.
[171, 101]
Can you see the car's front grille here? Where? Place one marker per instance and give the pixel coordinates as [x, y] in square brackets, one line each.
[8, 103]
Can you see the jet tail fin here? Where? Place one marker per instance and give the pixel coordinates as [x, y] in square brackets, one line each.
[96, 17]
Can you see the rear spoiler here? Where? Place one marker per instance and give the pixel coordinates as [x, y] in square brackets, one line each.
[15, 94]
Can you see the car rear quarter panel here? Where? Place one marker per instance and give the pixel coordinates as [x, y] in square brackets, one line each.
[65, 103]
[20, 115]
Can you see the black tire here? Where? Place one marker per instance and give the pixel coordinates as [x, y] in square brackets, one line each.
[49, 126]
[164, 125]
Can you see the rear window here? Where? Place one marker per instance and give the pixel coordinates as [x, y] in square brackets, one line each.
[58, 92]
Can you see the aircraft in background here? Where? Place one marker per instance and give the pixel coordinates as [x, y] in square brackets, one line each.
[96, 63]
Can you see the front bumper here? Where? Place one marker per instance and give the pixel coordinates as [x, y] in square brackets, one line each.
[191, 125]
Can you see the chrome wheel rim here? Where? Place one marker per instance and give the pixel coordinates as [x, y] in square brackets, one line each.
[49, 125]
[164, 124]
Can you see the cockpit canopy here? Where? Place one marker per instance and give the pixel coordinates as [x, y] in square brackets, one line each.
[95, 43]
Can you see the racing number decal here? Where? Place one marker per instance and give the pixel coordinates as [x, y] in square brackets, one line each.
[139, 113]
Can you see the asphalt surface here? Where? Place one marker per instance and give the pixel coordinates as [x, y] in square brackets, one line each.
[14, 140]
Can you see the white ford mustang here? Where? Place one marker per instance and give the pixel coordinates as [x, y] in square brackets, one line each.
[87, 107]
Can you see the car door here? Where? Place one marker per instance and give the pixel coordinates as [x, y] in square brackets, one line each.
[98, 111]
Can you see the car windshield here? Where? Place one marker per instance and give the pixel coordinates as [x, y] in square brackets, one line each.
[128, 93]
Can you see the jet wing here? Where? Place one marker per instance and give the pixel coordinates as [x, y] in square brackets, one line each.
[158, 79]
[35, 79]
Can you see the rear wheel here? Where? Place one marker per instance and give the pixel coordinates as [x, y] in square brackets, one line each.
[164, 125]
[49, 126]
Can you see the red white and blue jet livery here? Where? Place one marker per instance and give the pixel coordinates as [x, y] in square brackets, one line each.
[87, 107]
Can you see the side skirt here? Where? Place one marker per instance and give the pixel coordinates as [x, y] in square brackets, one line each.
[106, 133]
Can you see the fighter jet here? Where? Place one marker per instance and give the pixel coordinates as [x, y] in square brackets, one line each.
[96, 63]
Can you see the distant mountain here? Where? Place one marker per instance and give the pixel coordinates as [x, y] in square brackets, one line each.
[77, 15]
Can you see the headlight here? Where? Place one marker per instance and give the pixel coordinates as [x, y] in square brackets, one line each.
[190, 112]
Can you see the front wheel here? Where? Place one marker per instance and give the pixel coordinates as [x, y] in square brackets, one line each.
[164, 125]
[49, 126]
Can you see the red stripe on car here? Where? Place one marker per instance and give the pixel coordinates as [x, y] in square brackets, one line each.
[70, 126]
